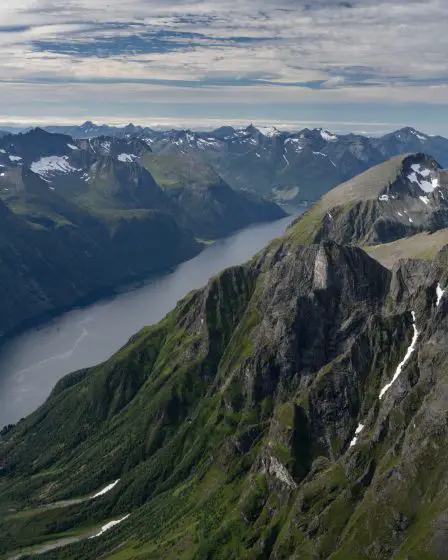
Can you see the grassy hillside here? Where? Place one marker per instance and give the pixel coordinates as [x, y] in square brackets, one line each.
[421, 246]
[206, 204]
[54, 253]
[179, 170]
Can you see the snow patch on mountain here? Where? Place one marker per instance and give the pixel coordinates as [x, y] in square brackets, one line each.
[428, 183]
[207, 143]
[327, 136]
[439, 293]
[109, 525]
[359, 429]
[295, 143]
[418, 135]
[72, 147]
[52, 164]
[268, 131]
[127, 158]
[15, 158]
[105, 490]
[401, 365]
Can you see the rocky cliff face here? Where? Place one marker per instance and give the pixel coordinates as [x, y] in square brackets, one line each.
[396, 199]
[293, 408]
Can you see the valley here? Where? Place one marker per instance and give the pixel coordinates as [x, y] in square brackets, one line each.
[32, 363]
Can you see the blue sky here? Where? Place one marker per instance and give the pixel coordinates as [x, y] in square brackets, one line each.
[361, 65]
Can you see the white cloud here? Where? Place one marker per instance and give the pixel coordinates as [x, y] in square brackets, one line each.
[391, 51]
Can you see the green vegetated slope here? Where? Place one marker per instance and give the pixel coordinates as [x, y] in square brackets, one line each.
[117, 185]
[54, 252]
[206, 202]
[426, 246]
[229, 423]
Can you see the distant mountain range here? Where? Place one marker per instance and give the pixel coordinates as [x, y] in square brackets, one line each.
[285, 166]
[77, 217]
[91, 130]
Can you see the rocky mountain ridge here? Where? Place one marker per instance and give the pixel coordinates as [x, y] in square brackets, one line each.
[399, 198]
[299, 166]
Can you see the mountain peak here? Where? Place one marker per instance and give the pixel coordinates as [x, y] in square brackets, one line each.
[268, 131]
[327, 136]
[408, 132]
[392, 200]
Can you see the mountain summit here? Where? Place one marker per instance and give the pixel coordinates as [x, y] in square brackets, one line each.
[401, 197]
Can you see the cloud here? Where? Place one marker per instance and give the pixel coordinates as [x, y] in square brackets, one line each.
[361, 50]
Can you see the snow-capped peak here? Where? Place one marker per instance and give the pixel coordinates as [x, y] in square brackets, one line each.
[328, 136]
[88, 126]
[418, 135]
[268, 131]
[191, 137]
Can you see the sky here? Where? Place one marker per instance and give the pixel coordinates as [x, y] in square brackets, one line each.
[360, 65]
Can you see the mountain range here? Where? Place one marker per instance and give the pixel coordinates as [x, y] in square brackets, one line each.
[78, 217]
[285, 166]
[295, 407]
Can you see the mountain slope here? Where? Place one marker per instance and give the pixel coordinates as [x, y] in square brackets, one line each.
[406, 195]
[206, 203]
[108, 173]
[91, 130]
[425, 246]
[248, 423]
[55, 253]
[407, 140]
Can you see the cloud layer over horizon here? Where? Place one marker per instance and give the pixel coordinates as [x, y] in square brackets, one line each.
[290, 60]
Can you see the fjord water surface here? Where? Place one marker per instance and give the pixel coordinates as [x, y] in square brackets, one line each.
[33, 362]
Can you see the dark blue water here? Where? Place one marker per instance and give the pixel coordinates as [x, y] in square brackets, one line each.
[32, 363]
